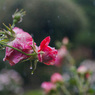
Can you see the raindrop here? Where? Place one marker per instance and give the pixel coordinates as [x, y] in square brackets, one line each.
[31, 67]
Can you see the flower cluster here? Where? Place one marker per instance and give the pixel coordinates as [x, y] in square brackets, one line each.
[11, 81]
[74, 81]
[51, 87]
[20, 45]
[61, 85]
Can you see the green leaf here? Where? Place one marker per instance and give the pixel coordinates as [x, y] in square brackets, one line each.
[72, 81]
[91, 91]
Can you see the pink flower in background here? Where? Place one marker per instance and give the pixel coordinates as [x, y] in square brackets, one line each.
[65, 40]
[82, 70]
[48, 86]
[22, 41]
[56, 77]
[60, 56]
[48, 55]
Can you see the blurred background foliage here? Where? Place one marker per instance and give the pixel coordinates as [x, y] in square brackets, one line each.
[57, 18]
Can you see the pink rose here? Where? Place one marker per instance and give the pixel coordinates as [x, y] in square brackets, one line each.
[60, 56]
[46, 54]
[82, 70]
[48, 86]
[56, 77]
[22, 41]
[65, 40]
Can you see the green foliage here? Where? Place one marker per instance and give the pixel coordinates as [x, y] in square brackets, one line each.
[87, 37]
[34, 92]
[57, 18]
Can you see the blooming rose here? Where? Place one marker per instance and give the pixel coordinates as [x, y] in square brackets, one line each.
[46, 54]
[56, 77]
[22, 41]
[48, 86]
